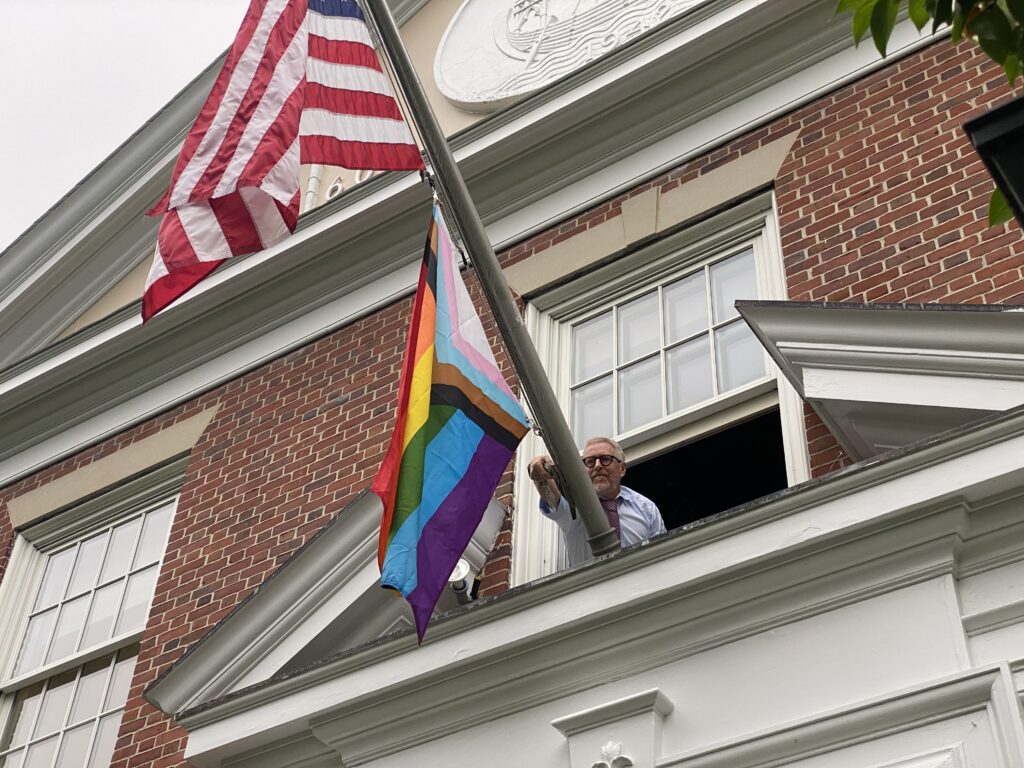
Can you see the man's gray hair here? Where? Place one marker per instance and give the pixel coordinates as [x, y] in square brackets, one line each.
[616, 448]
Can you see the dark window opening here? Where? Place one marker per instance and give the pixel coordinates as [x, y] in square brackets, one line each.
[738, 464]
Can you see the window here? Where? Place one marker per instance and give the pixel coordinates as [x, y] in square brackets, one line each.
[79, 587]
[73, 716]
[649, 349]
[95, 589]
[668, 349]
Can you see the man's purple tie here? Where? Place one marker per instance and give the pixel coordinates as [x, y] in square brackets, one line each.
[611, 508]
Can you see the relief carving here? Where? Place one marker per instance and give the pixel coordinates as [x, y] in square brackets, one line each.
[612, 757]
[534, 42]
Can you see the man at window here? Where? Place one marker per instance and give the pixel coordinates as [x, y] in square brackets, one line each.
[633, 516]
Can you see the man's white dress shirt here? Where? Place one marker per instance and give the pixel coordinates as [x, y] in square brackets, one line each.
[639, 519]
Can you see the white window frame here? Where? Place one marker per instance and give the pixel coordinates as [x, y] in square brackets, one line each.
[537, 547]
[30, 553]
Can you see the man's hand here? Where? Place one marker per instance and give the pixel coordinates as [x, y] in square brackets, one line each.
[541, 470]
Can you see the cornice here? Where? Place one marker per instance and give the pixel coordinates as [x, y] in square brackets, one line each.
[325, 597]
[258, 624]
[945, 366]
[94, 234]
[954, 340]
[652, 700]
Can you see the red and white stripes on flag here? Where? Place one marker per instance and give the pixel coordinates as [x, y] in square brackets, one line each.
[301, 84]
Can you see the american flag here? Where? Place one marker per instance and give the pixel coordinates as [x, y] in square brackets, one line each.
[301, 84]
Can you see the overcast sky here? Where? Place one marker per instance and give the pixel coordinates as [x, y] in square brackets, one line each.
[79, 76]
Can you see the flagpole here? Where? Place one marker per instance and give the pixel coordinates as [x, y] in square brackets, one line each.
[452, 190]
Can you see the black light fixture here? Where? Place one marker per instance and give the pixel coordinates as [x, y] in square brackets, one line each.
[998, 136]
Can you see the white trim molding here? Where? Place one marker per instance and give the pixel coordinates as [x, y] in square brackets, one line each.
[635, 721]
[885, 376]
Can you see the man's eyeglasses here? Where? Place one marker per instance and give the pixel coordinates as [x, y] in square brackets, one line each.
[590, 461]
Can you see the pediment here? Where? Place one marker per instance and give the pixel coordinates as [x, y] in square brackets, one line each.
[886, 376]
[324, 600]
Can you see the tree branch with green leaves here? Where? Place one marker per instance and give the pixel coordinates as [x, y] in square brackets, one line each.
[997, 26]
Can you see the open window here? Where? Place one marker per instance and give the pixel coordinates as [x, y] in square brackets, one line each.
[650, 349]
[716, 472]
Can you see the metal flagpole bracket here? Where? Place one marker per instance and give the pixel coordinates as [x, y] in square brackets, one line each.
[464, 219]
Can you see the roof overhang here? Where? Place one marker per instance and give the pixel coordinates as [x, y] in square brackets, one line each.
[326, 598]
[885, 376]
[883, 524]
[686, 86]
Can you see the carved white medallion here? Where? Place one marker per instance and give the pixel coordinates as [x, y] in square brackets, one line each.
[497, 50]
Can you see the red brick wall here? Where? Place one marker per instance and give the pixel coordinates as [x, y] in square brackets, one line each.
[882, 198]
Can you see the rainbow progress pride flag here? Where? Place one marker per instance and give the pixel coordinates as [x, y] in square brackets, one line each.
[457, 426]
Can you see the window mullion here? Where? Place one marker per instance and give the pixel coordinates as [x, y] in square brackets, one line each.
[58, 608]
[85, 623]
[136, 543]
[712, 348]
[106, 553]
[120, 607]
[572, 388]
[92, 737]
[662, 341]
[100, 713]
[30, 731]
[65, 725]
[615, 371]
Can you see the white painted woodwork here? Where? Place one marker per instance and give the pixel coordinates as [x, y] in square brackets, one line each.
[869, 620]
[886, 377]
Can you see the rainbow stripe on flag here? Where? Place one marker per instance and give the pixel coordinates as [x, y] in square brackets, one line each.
[458, 425]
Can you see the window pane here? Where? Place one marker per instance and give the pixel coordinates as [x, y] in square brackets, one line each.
[592, 410]
[69, 626]
[41, 755]
[686, 307]
[135, 605]
[20, 720]
[75, 747]
[592, 347]
[36, 637]
[732, 279]
[117, 693]
[122, 547]
[105, 602]
[740, 356]
[12, 760]
[55, 579]
[89, 694]
[54, 711]
[689, 374]
[90, 553]
[106, 739]
[154, 534]
[640, 393]
[638, 328]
